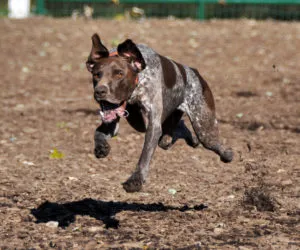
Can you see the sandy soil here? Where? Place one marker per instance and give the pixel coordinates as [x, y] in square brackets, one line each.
[46, 103]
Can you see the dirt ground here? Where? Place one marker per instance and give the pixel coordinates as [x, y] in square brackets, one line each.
[191, 200]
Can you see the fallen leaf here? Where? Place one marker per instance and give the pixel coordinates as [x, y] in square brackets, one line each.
[61, 124]
[55, 154]
[114, 42]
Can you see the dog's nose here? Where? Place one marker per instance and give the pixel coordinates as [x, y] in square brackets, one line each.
[101, 91]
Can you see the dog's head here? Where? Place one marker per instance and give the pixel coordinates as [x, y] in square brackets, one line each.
[114, 76]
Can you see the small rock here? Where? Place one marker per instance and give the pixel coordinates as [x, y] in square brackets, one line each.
[243, 248]
[25, 69]
[52, 224]
[230, 197]
[144, 194]
[287, 182]
[269, 93]
[71, 178]
[239, 115]
[220, 225]
[29, 163]
[279, 171]
[94, 229]
[218, 230]
[172, 191]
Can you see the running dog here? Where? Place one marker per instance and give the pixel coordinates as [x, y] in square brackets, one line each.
[152, 92]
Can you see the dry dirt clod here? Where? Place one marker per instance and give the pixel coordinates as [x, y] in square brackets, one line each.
[260, 198]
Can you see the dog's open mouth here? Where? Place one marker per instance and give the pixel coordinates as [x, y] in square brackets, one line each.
[110, 111]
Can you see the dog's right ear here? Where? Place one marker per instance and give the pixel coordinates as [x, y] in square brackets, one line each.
[98, 51]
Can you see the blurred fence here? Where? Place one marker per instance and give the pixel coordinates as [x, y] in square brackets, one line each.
[200, 9]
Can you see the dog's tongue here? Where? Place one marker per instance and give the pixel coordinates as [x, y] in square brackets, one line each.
[111, 115]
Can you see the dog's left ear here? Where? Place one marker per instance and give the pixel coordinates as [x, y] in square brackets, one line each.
[132, 54]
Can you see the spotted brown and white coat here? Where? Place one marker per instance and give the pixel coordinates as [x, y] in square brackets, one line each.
[165, 90]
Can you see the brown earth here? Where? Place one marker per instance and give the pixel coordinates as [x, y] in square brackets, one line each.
[46, 103]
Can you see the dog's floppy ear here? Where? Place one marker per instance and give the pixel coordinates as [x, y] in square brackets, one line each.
[98, 51]
[132, 54]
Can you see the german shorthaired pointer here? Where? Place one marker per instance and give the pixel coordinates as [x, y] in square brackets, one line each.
[152, 92]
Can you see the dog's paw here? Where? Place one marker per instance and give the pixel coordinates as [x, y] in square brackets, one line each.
[102, 150]
[133, 184]
[165, 142]
[227, 156]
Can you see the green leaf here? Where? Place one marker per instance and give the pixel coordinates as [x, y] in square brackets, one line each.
[114, 42]
[55, 154]
[61, 124]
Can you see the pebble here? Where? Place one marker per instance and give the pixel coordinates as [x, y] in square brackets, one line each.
[94, 229]
[269, 93]
[239, 115]
[230, 197]
[172, 191]
[52, 224]
[243, 248]
[71, 178]
[287, 182]
[280, 171]
[25, 69]
[29, 163]
[218, 230]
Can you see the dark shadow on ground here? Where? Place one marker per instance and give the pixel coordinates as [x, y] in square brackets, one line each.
[105, 211]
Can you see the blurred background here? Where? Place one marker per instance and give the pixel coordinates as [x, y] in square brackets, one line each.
[197, 9]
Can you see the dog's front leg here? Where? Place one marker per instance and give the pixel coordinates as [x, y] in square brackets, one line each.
[153, 133]
[102, 133]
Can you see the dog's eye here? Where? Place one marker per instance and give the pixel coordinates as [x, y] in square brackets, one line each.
[119, 74]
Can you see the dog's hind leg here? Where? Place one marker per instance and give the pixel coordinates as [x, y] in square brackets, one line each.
[102, 133]
[205, 126]
[200, 107]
